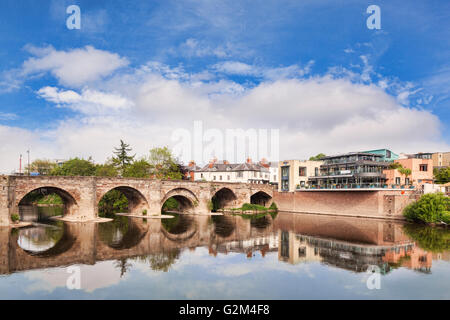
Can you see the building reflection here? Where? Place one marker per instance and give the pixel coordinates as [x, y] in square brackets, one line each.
[348, 243]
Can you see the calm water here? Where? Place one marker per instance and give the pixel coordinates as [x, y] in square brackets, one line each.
[289, 256]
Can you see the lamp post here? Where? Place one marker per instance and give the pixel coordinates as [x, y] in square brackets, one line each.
[20, 164]
[28, 151]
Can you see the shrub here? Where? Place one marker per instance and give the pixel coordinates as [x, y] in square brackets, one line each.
[15, 217]
[273, 206]
[430, 208]
[248, 206]
[144, 212]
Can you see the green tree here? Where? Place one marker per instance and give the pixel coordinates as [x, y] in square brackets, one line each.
[42, 166]
[442, 175]
[122, 158]
[163, 164]
[75, 167]
[138, 169]
[106, 170]
[317, 157]
[405, 171]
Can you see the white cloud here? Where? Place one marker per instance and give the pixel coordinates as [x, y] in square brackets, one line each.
[7, 116]
[88, 102]
[243, 69]
[75, 67]
[336, 112]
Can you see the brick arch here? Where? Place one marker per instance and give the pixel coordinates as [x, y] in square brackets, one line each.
[136, 200]
[225, 198]
[261, 197]
[69, 197]
[187, 199]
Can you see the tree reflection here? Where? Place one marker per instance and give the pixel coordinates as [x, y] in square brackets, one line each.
[123, 266]
[429, 238]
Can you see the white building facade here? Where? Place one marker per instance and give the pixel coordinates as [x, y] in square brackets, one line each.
[233, 172]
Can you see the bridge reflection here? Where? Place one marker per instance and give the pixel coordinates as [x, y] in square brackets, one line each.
[348, 243]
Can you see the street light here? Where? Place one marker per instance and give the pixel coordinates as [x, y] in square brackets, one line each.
[28, 151]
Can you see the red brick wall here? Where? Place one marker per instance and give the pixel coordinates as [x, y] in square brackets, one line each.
[354, 203]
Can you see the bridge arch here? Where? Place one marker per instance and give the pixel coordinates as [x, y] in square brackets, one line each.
[69, 199]
[187, 199]
[224, 198]
[262, 198]
[136, 200]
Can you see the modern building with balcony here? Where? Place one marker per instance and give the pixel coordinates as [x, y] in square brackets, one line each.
[295, 174]
[351, 170]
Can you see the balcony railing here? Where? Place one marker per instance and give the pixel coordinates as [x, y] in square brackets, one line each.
[356, 186]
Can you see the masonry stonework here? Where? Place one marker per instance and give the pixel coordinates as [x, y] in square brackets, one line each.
[81, 195]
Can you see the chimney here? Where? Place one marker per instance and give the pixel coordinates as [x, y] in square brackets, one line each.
[225, 162]
[249, 160]
[191, 163]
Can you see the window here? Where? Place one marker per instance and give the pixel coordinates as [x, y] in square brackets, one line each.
[274, 177]
[285, 171]
[316, 171]
[397, 180]
[228, 177]
[302, 171]
[407, 181]
[220, 178]
[285, 185]
[423, 167]
[302, 184]
[214, 177]
[201, 175]
[240, 174]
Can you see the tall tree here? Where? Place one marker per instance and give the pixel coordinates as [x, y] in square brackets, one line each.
[122, 158]
[163, 165]
[138, 169]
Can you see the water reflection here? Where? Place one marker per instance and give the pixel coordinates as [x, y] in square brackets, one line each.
[296, 240]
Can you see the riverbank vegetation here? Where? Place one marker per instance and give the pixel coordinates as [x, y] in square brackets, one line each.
[432, 208]
[255, 208]
[40, 197]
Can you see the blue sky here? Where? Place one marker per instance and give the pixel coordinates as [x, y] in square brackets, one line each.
[139, 69]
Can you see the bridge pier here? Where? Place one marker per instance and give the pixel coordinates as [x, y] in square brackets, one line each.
[5, 201]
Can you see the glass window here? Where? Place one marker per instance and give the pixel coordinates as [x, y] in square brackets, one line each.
[302, 171]
[423, 167]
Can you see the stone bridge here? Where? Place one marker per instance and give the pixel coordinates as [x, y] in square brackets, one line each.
[81, 195]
